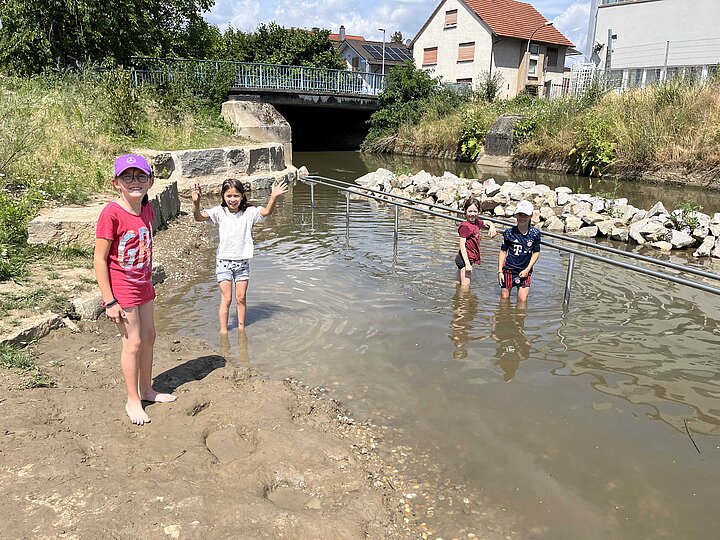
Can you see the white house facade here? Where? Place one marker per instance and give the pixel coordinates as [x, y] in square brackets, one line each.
[465, 40]
[641, 41]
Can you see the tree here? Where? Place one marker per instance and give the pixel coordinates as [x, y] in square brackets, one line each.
[273, 44]
[397, 37]
[36, 36]
[406, 95]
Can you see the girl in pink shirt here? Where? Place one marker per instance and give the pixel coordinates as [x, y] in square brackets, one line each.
[123, 269]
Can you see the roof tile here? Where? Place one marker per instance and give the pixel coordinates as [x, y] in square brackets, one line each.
[516, 19]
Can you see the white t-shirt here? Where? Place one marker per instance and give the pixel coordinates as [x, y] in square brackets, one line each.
[236, 241]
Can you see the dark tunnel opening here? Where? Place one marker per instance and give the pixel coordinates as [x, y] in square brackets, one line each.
[325, 128]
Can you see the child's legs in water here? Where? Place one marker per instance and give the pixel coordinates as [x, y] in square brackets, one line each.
[227, 272]
[241, 299]
[225, 301]
[464, 278]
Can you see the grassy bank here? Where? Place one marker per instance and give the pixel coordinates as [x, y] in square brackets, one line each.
[675, 125]
[60, 133]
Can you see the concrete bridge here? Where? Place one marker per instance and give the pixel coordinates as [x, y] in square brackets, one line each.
[315, 108]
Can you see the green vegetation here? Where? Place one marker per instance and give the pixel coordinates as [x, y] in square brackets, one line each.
[684, 216]
[59, 134]
[675, 124]
[37, 37]
[12, 358]
[410, 96]
[273, 44]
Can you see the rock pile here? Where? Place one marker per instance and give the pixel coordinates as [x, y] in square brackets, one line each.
[561, 211]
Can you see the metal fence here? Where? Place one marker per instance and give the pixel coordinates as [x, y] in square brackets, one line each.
[693, 61]
[604, 255]
[244, 75]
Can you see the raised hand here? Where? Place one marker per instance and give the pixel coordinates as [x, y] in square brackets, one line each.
[279, 188]
[196, 192]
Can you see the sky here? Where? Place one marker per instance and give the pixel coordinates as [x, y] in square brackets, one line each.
[365, 17]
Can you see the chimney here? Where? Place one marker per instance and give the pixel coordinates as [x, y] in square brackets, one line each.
[342, 32]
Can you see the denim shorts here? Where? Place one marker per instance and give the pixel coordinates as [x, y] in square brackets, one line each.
[227, 270]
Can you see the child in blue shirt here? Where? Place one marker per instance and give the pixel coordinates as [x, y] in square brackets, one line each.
[519, 251]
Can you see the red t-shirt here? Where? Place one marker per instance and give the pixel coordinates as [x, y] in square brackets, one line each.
[130, 257]
[471, 233]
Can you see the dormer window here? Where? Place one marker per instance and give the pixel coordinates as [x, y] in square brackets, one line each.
[451, 18]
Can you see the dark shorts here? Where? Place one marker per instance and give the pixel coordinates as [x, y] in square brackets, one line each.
[460, 263]
[512, 279]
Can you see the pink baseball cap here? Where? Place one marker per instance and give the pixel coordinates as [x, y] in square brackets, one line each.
[128, 161]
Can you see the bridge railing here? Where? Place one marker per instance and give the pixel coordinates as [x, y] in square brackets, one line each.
[254, 76]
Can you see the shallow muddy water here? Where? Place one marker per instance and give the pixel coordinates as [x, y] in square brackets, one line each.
[542, 422]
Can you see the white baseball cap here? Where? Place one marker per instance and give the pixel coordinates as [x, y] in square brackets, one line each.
[524, 207]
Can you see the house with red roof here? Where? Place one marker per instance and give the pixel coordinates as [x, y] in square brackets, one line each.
[463, 40]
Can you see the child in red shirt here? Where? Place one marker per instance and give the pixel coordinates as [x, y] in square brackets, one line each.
[469, 232]
[123, 269]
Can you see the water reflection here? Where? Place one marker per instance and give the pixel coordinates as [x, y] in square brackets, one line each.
[236, 356]
[508, 330]
[649, 346]
[465, 308]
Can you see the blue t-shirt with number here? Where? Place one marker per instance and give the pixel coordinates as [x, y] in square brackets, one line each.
[519, 247]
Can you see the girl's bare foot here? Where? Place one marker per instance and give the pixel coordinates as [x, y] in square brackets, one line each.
[136, 413]
[157, 397]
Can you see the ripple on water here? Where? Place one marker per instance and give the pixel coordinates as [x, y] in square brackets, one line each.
[492, 394]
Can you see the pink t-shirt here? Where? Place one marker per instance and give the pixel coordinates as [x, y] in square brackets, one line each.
[130, 257]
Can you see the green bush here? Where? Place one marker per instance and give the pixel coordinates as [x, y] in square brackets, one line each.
[684, 216]
[408, 91]
[594, 150]
[124, 111]
[474, 127]
[489, 86]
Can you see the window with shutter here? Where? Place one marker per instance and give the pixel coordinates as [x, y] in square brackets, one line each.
[451, 18]
[466, 52]
[430, 55]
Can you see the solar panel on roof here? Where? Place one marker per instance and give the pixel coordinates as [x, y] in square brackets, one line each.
[392, 53]
[374, 50]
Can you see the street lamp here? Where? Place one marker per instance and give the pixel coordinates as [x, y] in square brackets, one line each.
[527, 52]
[383, 51]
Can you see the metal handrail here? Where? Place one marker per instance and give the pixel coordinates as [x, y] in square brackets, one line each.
[266, 76]
[384, 196]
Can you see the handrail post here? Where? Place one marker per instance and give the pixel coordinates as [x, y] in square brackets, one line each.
[568, 279]
[312, 195]
[347, 204]
[397, 220]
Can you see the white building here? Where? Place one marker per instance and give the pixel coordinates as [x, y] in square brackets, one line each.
[464, 39]
[652, 40]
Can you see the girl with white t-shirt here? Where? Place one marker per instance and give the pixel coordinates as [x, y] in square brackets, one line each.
[234, 219]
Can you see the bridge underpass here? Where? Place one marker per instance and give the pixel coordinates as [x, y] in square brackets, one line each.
[318, 121]
[325, 108]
